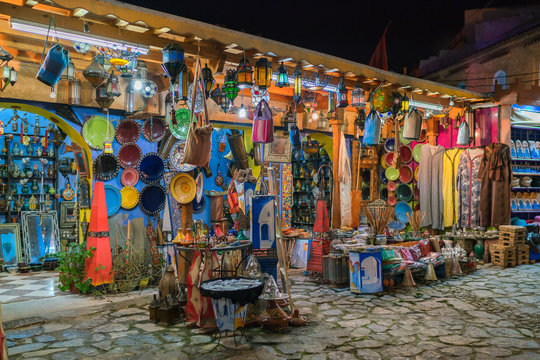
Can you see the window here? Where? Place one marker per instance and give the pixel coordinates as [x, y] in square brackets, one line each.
[499, 79]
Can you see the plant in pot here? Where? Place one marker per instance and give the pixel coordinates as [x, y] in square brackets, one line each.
[72, 275]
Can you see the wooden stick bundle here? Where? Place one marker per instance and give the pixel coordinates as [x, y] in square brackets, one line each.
[415, 220]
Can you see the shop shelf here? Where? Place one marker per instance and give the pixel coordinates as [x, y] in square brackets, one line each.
[526, 174]
[525, 188]
[525, 159]
[34, 157]
[525, 211]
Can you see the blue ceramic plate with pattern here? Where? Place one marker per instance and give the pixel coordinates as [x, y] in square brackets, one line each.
[113, 199]
[400, 211]
[152, 199]
[151, 168]
[177, 155]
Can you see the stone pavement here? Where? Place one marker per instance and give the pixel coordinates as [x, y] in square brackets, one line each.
[494, 313]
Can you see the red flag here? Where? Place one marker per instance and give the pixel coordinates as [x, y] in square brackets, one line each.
[378, 59]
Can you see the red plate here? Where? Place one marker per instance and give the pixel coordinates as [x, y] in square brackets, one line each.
[405, 153]
[388, 158]
[405, 174]
[392, 200]
[154, 129]
[129, 177]
[391, 186]
[129, 155]
[128, 131]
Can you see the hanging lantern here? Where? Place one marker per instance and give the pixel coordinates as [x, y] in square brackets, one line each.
[173, 61]
[104, 101]
[129, 98]
[361, 118]
[183, 83]
[297, 84]
[358, 96]
[74, 92]
[216, 95]
[224, 103]
[282, 77]
[469, 119]
[208, 80]
[5, 56]
[70, 70]
[342, 93]
[230, 86]
[317, 82]
[149, 89]
[95, 73]
[263, 73]
[244, 74]
[112, 87]
[405, 104]
[127, 70]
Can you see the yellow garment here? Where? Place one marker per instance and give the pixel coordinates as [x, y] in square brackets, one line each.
[450, 196]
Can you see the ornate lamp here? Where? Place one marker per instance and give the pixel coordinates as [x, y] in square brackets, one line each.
[9, 76]
[208, 80]
[317, 82]
[282, 77]
[405, 104]
[216, 94]
[230, 86]
[263, 73]
[112, 87]
[95, 73]
[173, 60]
[70, 70]
[342, 93]
[358, 96]
[104, 101]
[244, 74]
[297, 84]
[221, 99]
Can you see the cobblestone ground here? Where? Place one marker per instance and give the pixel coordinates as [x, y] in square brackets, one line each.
[491, 314]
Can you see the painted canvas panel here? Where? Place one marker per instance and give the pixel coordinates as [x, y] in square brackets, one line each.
[366, 272]
[263, 231]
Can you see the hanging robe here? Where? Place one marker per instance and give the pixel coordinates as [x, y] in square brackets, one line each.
[468, 188]
[450, 195]
[344, 178]
[430, 181]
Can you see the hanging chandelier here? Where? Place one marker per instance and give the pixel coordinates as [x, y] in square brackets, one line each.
[316, 82]
[118, 56]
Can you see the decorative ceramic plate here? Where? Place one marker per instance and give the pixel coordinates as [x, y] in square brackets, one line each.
[95, 131]
[198, 206]
[113, 199]
[152, 199]
[176, 156]
[417, 151]
[183, 188]
[382, 177]
[154, 129]
[383, 161]
[180, 129]
[151, 168]
[106, 167]
[388, 158]
[130, 197]
[389, 144]
[128, 131]
[199, 181]
[404, 192]
[392, 174]
[405, 153]
[391, 186]
[129, 177]
[391, 200]
[416, 173]
[405, 174]
[400, 210]
[129, 155]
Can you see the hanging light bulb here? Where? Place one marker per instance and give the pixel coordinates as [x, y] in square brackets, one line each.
[242, 112]
[53, 93]
[138, 83]
[314, 115]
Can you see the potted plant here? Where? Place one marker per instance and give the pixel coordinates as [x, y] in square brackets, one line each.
[72, 274]
[131, 270]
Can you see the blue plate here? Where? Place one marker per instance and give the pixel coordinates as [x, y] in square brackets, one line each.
[152, 199]
[400, 210]
[389, 144]
[151, 168]
[113, 199]
[198, 206]
[382, 177]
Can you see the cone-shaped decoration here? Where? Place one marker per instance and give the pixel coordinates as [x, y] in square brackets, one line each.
[167, 226]
[456, 269]
[430, 273]
[98, 267]
[408, 278]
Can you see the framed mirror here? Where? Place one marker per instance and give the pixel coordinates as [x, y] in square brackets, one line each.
[40, 234]
[67, 214]
[10, 244]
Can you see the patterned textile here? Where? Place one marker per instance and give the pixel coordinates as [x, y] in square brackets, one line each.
[286, 210]
[468, 188]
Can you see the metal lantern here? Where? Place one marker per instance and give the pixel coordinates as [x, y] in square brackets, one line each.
[469, 119]
[74, 94]
[230, 86]
[127, 70]
[216, 95]
[358, 96]
[95, 73]
[208, 80]
[244, 76]
[316, 83]
[263, 73]
[9, 76]
[149, 89]
[129, 98]
[297, 84]
[5, 56]
[224, 103]
[104, 101]
[112, 86]
[183, 83]
[173, 60]
[405, 104]
[282, 76]
[361, 118]
[342, 93]
[70, 70]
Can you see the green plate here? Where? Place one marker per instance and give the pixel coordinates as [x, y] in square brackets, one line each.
[180, 129]
[416, 152]
[95, 132]
[392, 174]
[402, 140]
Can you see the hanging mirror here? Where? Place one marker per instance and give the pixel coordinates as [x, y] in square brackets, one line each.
[40, 234]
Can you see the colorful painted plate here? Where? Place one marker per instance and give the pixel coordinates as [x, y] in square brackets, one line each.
[404, 192]
[405, 174]
[95, 132]
[183, 188]
[405, 154]
[106, 167]
[198, 206]
[128, 131]
[180, 129]
[400, 210]
[152, 199]
[416, 173]
[151, 168]
[391, 200]
[383, 162]
[392, 174]
[129, 177]
[129, 155]
[154, 129]
[130, 197]
[389, 144]
[113, 199]
[391, 186]
[176, 156]
[417, 151]
[388, 158]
